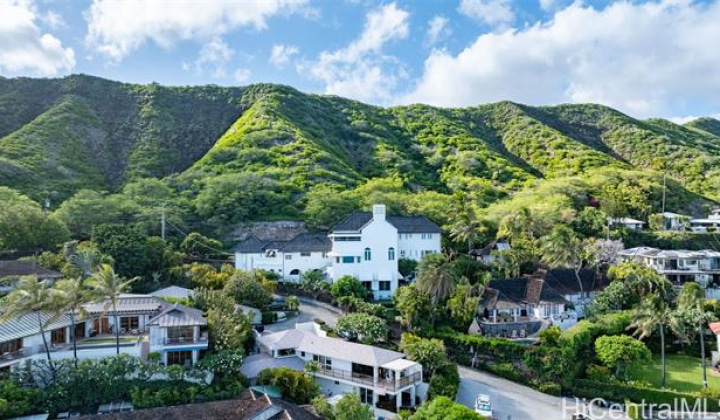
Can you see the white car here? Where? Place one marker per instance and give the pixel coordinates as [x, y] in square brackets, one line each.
[483, 406]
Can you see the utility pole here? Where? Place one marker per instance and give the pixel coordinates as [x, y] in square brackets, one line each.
[162, 223]
[664, 188]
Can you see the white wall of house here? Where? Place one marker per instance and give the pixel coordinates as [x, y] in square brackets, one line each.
[285, 264]
[414, 246]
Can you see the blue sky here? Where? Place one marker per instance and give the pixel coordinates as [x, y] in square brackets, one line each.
[656, 58]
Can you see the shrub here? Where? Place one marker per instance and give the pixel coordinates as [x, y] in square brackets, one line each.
[550, 388]
[348, 286]
[369, 328]
[269, 317]
[295, 386]
[445, 382]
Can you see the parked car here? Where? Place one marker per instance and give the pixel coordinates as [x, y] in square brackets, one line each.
[277, 304]
[483, 406]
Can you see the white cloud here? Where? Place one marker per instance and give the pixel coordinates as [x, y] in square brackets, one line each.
[53, 20]
[116, 28]
[23, 46]
[437, 29]
[489, 12]
[213, 55]
[646, 59]
[688, 118]
[361, 70]
[242, 75]
[281, 54]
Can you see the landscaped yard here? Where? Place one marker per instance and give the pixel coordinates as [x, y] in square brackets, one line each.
[106, 341]
[684, 373]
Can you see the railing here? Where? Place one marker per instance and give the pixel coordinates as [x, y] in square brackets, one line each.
[185, 340]
[14, 355]
[361, 378]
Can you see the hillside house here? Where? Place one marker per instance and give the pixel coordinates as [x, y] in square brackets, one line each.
[13, 270]
[365, 245]
[626, 222]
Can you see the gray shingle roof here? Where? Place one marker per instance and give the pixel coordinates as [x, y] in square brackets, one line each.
[27, 325]
[26, 268]
[404, 224]
[304, 242]
[512, 293]
[128, 304]
[178, 315]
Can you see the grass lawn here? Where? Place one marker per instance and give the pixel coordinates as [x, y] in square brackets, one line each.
[106, 341]
[684, 373]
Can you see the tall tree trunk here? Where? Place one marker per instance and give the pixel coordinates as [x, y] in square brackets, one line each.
[582, 292]
[45, 344]
[662, 355]
[702, 355]
[73, 337]
[117, 329]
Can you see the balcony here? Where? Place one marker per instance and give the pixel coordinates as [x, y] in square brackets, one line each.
[368, 380]
[13, 355]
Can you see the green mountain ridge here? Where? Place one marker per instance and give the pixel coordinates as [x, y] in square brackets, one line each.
[58, 136]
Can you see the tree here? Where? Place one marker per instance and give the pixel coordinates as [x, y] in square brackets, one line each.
[444, 408]
[292, 303]
[228, 327]
[313, 282]
[87, 209]
[462, 306]
[250, 288]
[297, 387]
[200, 246]
[692, 314]
[656, 222]
[87, 259]
[563, 248]
[620, 352]
[223, 202]
[24, 226]
[407, 267]
[436, 277]
[430, 353]
[415, 306]
[205, 276]
[326, 205]
[348, 286]
[351, 408]
[224, 365]
[31, 297]
[71, 297]
[370, 329]
[654, 314]
[323, 407]
[108, 286]
[465, 226]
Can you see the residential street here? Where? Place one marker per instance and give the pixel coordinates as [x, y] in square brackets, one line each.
[309, 310]
[512, 401]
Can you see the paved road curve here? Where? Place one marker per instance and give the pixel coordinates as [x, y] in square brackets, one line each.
[308, 312]
[512, 401]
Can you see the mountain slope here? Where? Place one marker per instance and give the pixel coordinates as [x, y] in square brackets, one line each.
[61, 135]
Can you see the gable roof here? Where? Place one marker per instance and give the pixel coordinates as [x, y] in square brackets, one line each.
[328, 346]
[173, 292]
[563, 280]
[178, 315]
[250, 405]
[128, 304]
[21, 268]
[404, 224]
[304, 242]
[517, 292]
[27, 325]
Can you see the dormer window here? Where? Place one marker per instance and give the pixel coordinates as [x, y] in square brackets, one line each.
[391, 254]
[368, 254]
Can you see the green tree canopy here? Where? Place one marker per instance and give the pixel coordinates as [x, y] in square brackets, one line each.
[620, 352]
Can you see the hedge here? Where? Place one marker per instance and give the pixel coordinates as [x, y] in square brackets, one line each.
[498, 348]
[445, 382]
[618, 392]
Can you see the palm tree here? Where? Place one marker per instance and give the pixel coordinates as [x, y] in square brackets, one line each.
[87, 260]
[563, 248]
[691, 308]
[654, 313]
[108, 286]
[436, 277]
[71, 296]
[517, 225]
[31, 297]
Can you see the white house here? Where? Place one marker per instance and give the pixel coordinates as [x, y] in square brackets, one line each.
[382, 378]
[675, 221]
[177, 333]
[680, 266]
[489, 253]
[139, 316]
[626, 222]
[709, 224]
[365, 245]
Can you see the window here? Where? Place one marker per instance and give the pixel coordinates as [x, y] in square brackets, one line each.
[391, 254]
[347, 239]
[180, 334]
[285, 352]
[402, 253]
[337, 260]
[367, 285]
[357, 260]
[302, 353]
[427, 235]
[348, 260]
[11, 346]
[294, 272]
[57, 336]
[325, 362]
[288, 257]
[304, 254]
[129, 323]
[366, 396]
[384, 285]
[368, 254]
[182, 358]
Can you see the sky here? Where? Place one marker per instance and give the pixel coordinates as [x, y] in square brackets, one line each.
[645, 58]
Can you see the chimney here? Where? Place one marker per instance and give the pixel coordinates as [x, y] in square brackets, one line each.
[379, 212]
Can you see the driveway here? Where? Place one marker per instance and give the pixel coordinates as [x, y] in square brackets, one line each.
[512, 401]
[308, 311]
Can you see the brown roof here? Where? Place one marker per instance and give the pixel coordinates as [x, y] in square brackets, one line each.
[26, 268]
[249, 406]
[517, 292]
